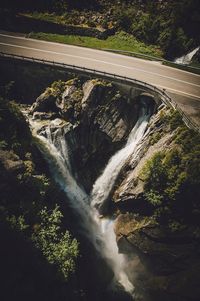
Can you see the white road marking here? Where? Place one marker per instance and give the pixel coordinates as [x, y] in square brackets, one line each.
[97, 50]
[99, 61]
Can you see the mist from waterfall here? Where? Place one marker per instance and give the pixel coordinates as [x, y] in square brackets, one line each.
[100, 231]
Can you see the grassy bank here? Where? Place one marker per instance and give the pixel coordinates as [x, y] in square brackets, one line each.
[120, 41]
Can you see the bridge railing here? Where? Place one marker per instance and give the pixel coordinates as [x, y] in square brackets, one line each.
[160, 92]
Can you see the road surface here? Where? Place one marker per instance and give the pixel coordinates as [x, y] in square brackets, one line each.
[182, 86]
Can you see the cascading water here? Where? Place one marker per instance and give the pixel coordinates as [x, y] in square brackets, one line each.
[53, 145]
[102, 189]
[186, 59]
[99, 230]
[104, 184]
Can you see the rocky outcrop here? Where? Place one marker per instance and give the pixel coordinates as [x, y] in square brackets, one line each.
[130, 188]
[96, 120]
[10, 163]
[46, 102]
[169, 261]
[100, 116]
[169, 264]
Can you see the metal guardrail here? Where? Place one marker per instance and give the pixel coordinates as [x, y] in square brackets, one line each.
[161, 93]
[136, 54]
[155, 58]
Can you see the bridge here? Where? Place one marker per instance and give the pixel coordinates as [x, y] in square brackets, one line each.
[178, 88]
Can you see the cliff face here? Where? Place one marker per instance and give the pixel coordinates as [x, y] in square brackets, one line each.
[156, 196]
[131, 187]
[162, 232]
[97, 120]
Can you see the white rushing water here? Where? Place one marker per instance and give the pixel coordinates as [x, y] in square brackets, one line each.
[99, 230]
[186, 59]
[53, 145]
[104, 184]
[102, 189]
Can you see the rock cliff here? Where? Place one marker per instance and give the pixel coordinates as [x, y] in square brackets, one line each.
[97, 118]
[156, 194]
[162, 236]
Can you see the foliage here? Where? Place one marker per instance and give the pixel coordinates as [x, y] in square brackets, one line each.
[172, 178]
[155, 138]
[58, 87]
[120, 41]
[175, 120]
[14, 130]
[172, 25]
[27, 207]
[17, 222]
[57, 247]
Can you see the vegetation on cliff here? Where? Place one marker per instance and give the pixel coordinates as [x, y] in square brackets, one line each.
[171, 177]
[28, 210]
[160, 210]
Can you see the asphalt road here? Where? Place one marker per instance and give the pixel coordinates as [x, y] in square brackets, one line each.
[183, 86]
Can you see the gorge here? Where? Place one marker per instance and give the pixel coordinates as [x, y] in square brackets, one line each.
[100, 150]
[98, 229]
[125, 165]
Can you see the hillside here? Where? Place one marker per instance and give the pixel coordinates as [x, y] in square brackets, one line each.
[172, 27]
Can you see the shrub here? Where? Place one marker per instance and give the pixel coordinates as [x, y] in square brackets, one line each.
[58, 247]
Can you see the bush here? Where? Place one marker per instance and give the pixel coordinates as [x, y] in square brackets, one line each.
[171, 178]
[57, 246]
[14, 129]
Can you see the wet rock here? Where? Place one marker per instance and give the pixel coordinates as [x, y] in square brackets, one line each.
[130, 186]
[70, 106]
[45, 116]
[101, 118]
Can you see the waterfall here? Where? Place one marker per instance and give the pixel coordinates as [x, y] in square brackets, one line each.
[104, 184]
[102, 189]
[100, 231]
[53, 145]
[186, 59]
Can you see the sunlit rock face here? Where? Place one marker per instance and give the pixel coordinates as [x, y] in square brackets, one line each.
[168, 262]
[100, 117]
[96, 121]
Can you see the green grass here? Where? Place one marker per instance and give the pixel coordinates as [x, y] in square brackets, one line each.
[195, 64]
[120, 41]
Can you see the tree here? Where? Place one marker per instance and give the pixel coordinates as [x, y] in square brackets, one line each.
[58, 247]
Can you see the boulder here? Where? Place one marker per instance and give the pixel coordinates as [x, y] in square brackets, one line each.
[46, 102]
[10, 162]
